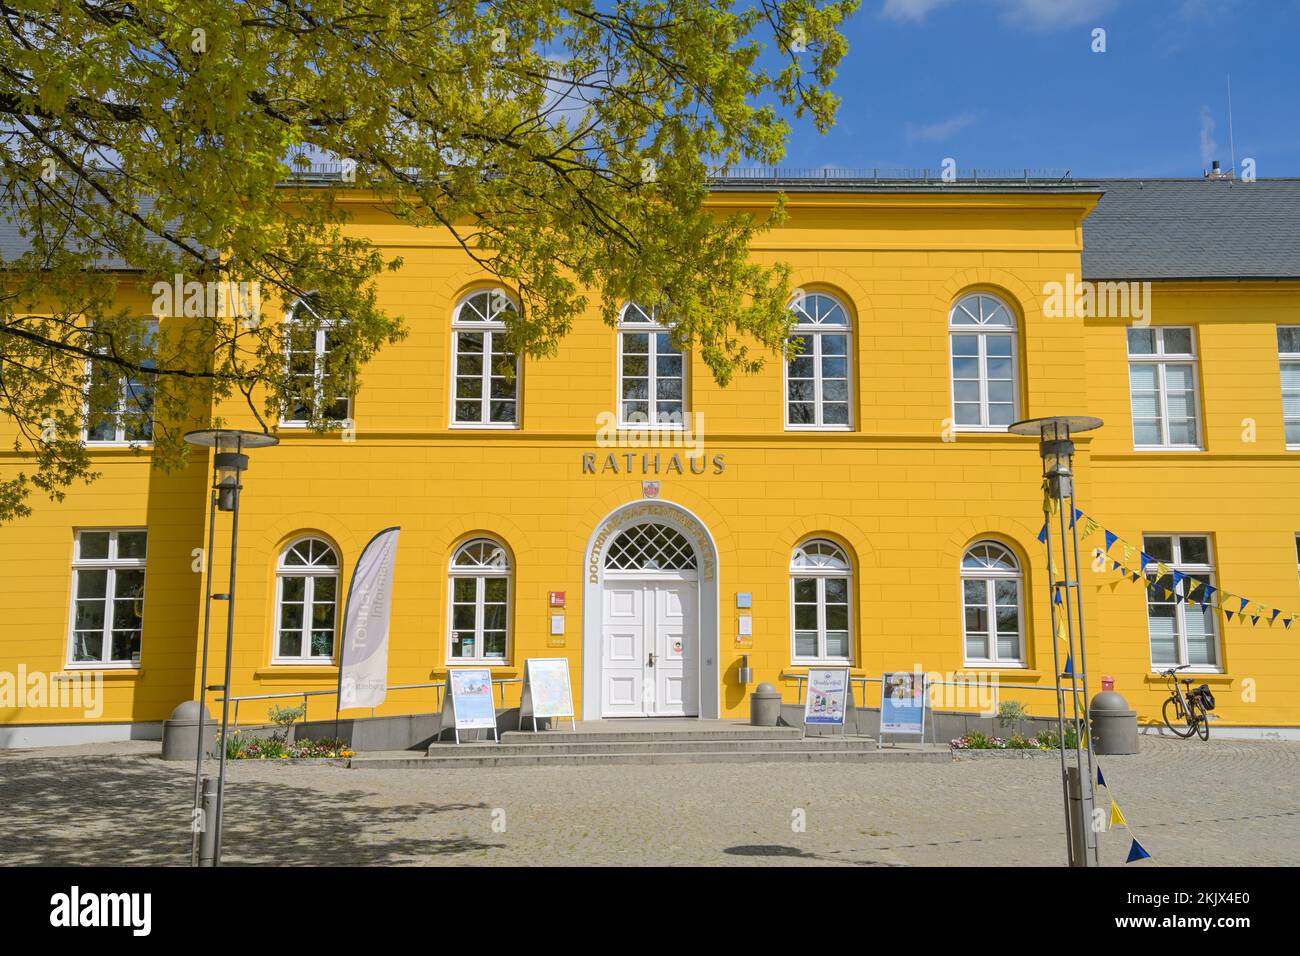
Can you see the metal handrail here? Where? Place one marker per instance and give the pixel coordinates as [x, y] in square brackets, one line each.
[864, 680]
[304, 694]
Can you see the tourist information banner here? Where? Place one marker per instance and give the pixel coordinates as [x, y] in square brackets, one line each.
[547, 690]
[363, 660]
[470, 701]
[828, 698]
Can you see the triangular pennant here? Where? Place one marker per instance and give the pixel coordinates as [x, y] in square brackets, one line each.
[1210, 591]
[1058, 595]
[1136, 852]
[1162, 569]
[1129, 551]
[1042, 535]
[1136, 575]
[1116, 566]
[1244, 604]
[1111, 538]
[1178, 579]
[1090, 527]
[1167, 593]
[1101, 781]
[1061, 632]
[1276, 612]
[1146, 559]
[1227, 614]
[1069, 667]
[1117, 816]
[1077, 515]
[1195, 585]
[1287, 622]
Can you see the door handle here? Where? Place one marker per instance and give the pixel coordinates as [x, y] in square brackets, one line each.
[651, 660]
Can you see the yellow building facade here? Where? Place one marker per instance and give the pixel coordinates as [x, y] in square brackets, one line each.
[863, 504]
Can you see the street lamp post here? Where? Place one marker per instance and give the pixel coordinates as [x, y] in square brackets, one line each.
[228, 463]
[1056, 446]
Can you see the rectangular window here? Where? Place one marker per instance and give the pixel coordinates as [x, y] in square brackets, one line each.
[119, 402]
[480, 607]
[108, 597]
[1181, 634]
[1288, 350]
[1162, 386]
[652, 378]
[821, 619]
[486, 379]
[307, 348]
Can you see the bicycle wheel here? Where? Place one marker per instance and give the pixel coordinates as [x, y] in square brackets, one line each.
[1176, 719]
[1201, 720]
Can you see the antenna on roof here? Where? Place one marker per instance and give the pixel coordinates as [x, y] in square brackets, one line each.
[1232, 146]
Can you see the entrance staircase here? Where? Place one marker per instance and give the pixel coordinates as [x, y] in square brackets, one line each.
[660, 741]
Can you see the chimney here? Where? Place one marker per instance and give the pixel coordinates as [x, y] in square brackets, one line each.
[1215, 172]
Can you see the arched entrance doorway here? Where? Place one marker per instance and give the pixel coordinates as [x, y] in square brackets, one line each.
[650, 615]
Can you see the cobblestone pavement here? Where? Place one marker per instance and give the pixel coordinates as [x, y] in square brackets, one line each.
[1221, 803]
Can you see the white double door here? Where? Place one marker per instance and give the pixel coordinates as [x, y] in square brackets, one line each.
[650, 648]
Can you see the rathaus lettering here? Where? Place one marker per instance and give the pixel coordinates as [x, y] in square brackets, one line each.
[628, 463]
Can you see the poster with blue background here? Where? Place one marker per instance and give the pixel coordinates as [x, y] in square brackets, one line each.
[902, 704]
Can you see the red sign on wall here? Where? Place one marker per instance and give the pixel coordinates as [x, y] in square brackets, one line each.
[557, 599]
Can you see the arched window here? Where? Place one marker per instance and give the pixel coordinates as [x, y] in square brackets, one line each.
[651, 371]
[985, 391]
[821, 585]
[309, 339]
[307, 588]
[817, 380]
[485, 383]
[480, 602]
[992, 605]
[650, 547]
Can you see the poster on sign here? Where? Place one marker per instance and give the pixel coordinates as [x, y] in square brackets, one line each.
[903, 704]
[829, 696]
[469, 700]
[547, 690]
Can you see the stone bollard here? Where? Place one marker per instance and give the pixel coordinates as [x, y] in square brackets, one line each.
[180, 733]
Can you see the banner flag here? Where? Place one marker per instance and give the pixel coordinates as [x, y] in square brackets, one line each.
[1117, 816]
[363, 659]
[1136, 852]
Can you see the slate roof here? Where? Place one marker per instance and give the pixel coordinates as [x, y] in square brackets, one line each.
[1194, 229]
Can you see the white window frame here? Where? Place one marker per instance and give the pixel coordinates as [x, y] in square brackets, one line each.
[1204, 572]
[319, 351]
[820, 575]
[651, 327]
[1162, 360]
[813, 333]
[990, 577]
[489, 329]
[1285, 359]
[111, 564]
[480, 575]
[119, 439]
[983, 331]
[310, 572]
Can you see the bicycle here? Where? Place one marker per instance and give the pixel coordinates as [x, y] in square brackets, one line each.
[1186, 711]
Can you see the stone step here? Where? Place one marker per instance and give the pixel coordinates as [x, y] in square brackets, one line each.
[479, 761]
[648, 736]
[552, 745]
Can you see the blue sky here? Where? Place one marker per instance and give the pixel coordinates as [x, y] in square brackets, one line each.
[1014, 83]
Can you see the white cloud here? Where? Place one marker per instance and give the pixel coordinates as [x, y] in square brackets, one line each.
[938, 132]
[913, 11]
[1053, 14]
[1209, 148]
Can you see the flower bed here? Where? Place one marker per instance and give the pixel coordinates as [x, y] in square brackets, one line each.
[1048, 740]
[248, 747]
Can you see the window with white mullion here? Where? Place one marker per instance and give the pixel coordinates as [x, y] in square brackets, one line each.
[485, 373]
[820, 595]
[651, 371]
[1180, 634]
[818, 378]
[479, 626]
[118, 408]
[1288, 348]
[107, 619]
[307, 590]
[1162, 388]
[985, 383]
[992, 606]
